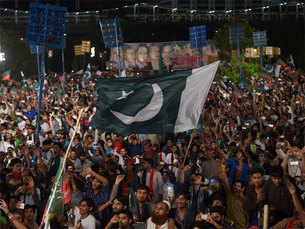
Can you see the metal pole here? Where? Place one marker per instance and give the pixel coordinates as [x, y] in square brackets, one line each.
[135, 9]
[154, 12]
[261, 60]
[16, 11]
[117, 46]
[238, 55]
[63, 68]
[41, 71]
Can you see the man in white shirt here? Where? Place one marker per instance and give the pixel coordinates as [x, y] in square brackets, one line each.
[82, 217]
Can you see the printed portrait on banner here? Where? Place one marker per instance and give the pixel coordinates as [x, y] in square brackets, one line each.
[171, 56]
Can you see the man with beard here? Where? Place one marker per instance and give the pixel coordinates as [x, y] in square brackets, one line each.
[159, 218]
[216, 219]
[122, 220]
[119, 204]
[125, 220]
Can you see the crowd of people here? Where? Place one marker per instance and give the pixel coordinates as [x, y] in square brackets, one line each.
[247, 152]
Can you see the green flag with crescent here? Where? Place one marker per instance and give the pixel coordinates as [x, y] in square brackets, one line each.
[171, 103]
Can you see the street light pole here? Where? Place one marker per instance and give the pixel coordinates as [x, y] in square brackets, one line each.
[154, 12]
[135, 9]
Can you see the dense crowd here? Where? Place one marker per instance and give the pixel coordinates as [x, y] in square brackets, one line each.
[247, 152]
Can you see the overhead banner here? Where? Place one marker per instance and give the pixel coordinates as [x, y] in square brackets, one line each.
[171, 56]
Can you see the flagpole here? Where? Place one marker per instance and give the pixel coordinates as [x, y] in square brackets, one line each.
[62, 168]
[63, 68]
[40, 78]
[117, 46]
[188, 147]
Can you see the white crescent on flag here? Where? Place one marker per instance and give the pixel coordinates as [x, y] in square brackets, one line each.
[148, 112]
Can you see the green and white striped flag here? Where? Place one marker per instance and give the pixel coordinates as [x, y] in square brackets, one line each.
[165, 103]
[55, 206]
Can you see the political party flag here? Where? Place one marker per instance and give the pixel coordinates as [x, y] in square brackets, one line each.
[25, 82]
[6, 75]
[13, 91]
[55, 206]
[169, 103]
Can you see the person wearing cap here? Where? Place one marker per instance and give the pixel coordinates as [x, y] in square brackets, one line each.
[276, 193]
[160, 217]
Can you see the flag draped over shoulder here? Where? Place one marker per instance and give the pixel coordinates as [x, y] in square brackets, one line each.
[55, 206]
[165, 103]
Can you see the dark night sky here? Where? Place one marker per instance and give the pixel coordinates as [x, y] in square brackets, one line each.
[72, 4]
[83, 5]
[279, 32]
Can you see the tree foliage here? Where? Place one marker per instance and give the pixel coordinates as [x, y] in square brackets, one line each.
[230, 68]
[222, 39]
[250, 68]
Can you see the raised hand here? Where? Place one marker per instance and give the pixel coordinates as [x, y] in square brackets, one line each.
[3, 206]
[119, 179]
[291, 188]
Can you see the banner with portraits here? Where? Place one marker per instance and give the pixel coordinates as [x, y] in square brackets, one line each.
[171, 56]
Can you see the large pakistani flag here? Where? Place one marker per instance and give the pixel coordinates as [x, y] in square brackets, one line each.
[166, 103]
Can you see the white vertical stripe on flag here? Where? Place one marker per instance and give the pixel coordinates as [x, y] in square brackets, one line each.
[194, 95]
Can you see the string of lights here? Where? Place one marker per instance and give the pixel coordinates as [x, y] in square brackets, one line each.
[156, 9]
